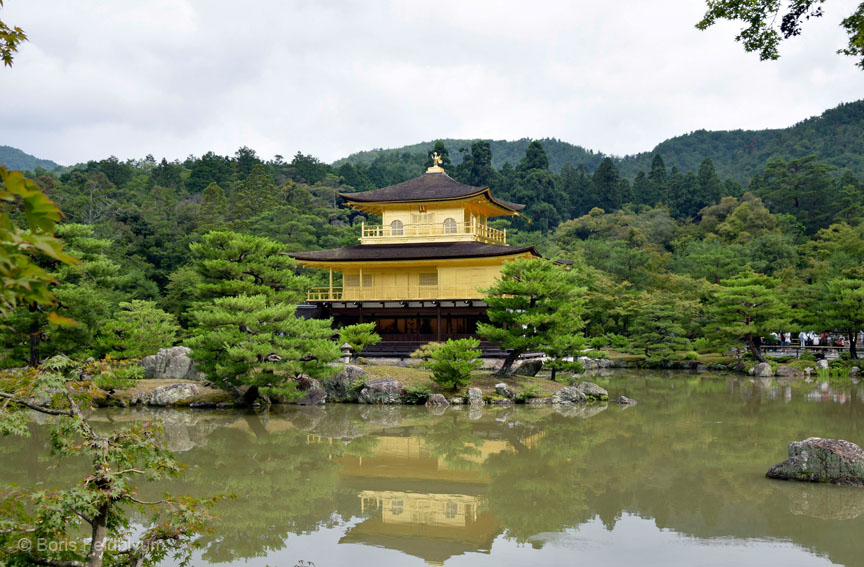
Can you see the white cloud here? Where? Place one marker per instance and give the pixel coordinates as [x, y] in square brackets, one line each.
[174, 77]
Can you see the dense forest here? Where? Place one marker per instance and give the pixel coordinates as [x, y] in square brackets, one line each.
[666, 234]
[834, 138]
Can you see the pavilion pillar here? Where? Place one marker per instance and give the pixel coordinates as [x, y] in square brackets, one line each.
[438, 326]
[331, 285]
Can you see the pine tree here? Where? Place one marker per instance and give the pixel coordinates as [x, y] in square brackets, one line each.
[452, 362]
[843, 306]
[231, 264]
[214, 208]
[258, 341]
[607, 185]
[747, 307]
[659, 327]
[359, 336]
[533, 304]
[138, 329]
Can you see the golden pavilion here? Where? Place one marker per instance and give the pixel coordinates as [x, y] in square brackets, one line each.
[418, 275]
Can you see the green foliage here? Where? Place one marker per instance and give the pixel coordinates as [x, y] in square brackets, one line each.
[97, 512]
[359, 336]
[257, 341]
[765, 28]
[24, 281]
[746, 307]
[231, 264]
[809, 356]
[139, 329]
[425, 351]
[534, 306]
[417, 395]
[659, 328]
[452, 363]
[527, 392]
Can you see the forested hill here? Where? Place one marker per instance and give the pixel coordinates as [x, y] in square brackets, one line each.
[558, 152]
[835, 138]
[13, 158]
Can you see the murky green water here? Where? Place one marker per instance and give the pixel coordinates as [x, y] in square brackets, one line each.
[676, 480]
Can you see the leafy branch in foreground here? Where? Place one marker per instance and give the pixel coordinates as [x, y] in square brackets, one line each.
[765, 28]
[88, 525]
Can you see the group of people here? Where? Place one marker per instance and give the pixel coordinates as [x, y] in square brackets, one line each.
[812, 338]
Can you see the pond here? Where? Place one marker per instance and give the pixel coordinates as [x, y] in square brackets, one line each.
[676, 480]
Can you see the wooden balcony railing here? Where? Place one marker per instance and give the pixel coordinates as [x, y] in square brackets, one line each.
[395, 293]
[432, 231]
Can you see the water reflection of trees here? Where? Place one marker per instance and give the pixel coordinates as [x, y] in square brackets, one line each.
[691, 455]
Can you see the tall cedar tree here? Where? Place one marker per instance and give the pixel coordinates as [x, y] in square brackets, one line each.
[533, 306]
[748, 307]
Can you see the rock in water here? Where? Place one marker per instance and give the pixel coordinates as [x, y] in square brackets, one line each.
[503, 390]
[170, 364]
[569, 395]
[822, 460]
[763, 370]
[173, 395]
[625, 401]
[315, 394]
[437, 400]
[382, 391]
[527, 367]
[475, 396]
[592, 391]
[340, 388]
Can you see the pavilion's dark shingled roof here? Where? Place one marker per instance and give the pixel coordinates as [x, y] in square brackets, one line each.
[424, 188]
[425, 251]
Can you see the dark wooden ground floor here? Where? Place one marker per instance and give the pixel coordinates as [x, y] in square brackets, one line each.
[404, 328]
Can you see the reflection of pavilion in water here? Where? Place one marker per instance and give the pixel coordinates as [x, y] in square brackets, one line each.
[419, 504]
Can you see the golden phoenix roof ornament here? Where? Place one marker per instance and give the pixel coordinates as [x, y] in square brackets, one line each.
[437, 160]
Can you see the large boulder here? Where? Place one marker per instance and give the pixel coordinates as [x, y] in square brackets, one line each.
[592, 391]
[475, 396]
[170, 364]
[503, 389]
[173, 395]
[437, 400]
[315, 394]
[822, 364]
[822, 460]
[381, 391]
[763, 370]
[569, 395]
[527, 367]
[784, 371]
[342, 386]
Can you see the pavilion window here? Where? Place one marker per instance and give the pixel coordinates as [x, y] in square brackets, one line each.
[450, 226]
[423, 218]
[367, 280]
[352, 280]
[430, 279]
[396, 228]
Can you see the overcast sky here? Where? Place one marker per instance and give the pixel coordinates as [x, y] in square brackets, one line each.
[179, 77]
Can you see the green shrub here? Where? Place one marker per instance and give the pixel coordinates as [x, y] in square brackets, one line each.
[617, 341]
[784, 358]
[807, 356]
[425, 351]
[138, 329]
[359, 336]
[691, 355]
[597, 354]
[597, 342]
[417, 395]
[528, 392]
[703, 345]
[452, 363]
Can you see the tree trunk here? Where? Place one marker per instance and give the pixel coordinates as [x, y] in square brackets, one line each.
[508, 363]
[754, 349]
[554, 371]
[853, 339]
[100, 531]
[35, 336]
